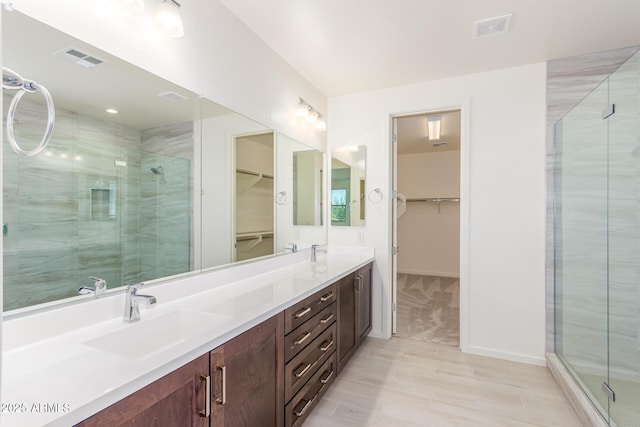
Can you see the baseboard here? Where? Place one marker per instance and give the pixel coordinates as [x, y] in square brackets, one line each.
[377, 334]
[429, 273]
[587, 413]
[513, 357]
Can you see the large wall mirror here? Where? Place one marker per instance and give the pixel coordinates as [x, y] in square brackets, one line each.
[348, 186]
[141, 179]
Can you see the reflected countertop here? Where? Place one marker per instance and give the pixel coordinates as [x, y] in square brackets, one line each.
[66, 373]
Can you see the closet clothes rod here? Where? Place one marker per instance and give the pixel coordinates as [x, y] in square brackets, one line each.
[437, 200]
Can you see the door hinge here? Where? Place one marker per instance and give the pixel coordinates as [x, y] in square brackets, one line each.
[608, 391]
[394, 194]
[394, 307]
[394, 250]
[394, 138]
[608, 111]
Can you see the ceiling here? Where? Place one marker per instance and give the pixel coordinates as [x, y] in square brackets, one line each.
[29, 48]
[344, 46]
[413, 136]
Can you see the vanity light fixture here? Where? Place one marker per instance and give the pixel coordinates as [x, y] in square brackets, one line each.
[168, 19]
[303, 108]
[306, 111]
[111, 111]
[433, 124]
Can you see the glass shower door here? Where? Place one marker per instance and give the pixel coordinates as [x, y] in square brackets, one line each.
[581, 244]
[624, 244]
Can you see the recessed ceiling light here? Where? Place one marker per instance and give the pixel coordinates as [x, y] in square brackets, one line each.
[112, 111]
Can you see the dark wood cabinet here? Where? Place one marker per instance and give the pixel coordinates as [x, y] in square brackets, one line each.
[354, 312]
[347, 336]
[295, 354]
[363, 303]
[174, 400]
[247, 375]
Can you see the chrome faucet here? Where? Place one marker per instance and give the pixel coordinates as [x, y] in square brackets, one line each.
[314, 252]
[132, 299]
[291, 247]
[99, 287]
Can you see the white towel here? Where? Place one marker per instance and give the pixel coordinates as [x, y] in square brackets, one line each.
[402, 204]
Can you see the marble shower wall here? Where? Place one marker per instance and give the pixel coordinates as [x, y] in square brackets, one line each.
[71, 212]
[597, 214]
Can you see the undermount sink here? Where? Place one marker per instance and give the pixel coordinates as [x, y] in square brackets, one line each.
[151, 336]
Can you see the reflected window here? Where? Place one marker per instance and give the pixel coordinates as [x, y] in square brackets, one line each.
[339, 205]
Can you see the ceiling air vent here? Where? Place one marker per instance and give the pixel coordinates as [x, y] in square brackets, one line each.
[172, 96]
[491, 26]
[74, 55]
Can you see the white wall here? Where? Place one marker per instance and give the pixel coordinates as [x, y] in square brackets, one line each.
[502, 267]
[219, 57]
[428, 234]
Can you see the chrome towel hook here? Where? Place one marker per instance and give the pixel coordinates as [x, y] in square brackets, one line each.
[13, 81]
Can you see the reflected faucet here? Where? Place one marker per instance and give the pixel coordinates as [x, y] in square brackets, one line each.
[131, 302]
[291, 247]
[314, 252]
[99, 287]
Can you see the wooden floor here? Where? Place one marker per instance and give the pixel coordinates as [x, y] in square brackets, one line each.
[402, 382]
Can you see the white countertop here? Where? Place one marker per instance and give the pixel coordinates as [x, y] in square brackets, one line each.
[51, 376]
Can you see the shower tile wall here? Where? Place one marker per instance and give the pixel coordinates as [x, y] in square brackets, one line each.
[53, 244]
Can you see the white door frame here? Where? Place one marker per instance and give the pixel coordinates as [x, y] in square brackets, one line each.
[465, 184]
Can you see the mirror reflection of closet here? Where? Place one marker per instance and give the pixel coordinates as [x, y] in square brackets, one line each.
[347, 195]
[307, 187]
[254, 193]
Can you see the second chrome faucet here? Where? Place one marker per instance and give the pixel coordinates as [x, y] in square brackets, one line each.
[132, 301]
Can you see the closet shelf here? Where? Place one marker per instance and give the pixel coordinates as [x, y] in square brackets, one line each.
[254, 235]
[437, 200]
[246, 179]
[254, 173]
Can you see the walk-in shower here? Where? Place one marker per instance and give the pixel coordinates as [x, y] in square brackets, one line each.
[597, 244]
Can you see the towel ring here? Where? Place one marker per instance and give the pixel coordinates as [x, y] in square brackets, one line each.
[375, 196]
[281, 198]
[13, 81]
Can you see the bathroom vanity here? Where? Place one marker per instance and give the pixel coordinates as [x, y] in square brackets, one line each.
[258, 344]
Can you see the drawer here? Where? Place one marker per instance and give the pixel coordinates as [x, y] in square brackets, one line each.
[302, 367]
[307, 398]
[299, 313]
[308, 331]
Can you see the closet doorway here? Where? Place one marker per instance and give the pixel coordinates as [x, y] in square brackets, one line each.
[427, 226]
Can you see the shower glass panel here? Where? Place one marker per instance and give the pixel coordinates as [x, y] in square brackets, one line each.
[597, 233]
[624, 244]
[91, 205]
[581, 243]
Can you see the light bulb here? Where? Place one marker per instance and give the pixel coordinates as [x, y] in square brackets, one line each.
[321, 124]
[302, 110]
[312, 117]
[168, 19]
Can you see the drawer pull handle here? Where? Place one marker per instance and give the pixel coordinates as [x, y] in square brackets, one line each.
[326, 319]
[326, 297]
[300, 412]
[302, 371]
[327, 346]
[302, 312]
[223, 399]
[326, 378]
[207, 396]
[302, 338]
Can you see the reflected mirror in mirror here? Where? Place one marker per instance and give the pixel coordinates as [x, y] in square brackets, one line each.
[299, 195]
[347, 195]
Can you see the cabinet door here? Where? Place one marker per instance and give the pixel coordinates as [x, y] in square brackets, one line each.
[174, 400]
[347, 337]
[247, 377]
[363, 295]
